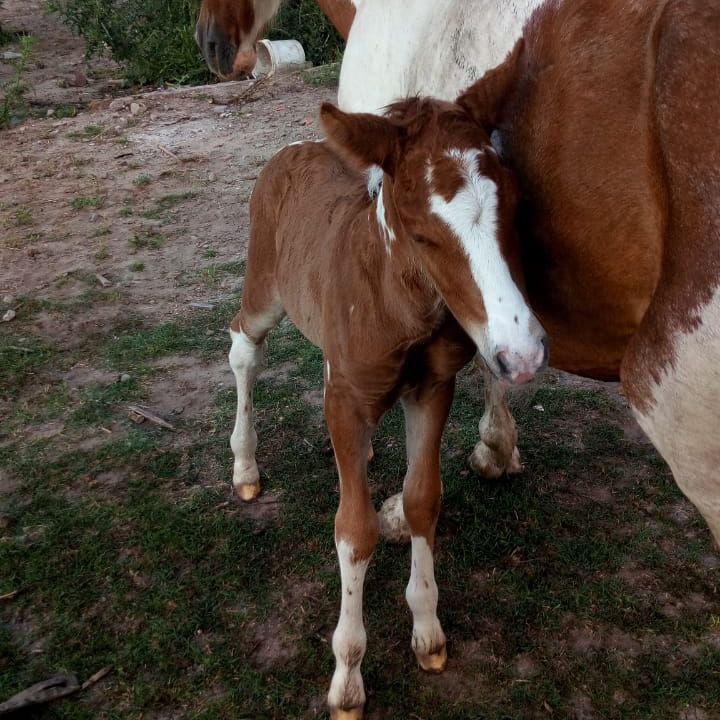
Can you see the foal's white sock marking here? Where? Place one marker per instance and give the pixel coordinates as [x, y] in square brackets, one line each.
[245, 359]
[422, 597]
[349, 639]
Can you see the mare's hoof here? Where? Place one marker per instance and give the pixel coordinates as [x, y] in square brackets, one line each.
[433, 663]
[491, 464]
[391, 520]
[355, 713]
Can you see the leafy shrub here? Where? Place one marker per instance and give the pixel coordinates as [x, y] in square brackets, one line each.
[153, 39]
[304, 21]
[12, 104]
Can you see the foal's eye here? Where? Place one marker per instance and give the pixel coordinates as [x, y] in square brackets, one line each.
[423, 240]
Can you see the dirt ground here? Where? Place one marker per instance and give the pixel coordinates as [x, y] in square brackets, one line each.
[73, 191]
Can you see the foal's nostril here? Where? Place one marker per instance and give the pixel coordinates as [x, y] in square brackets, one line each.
[502, 362]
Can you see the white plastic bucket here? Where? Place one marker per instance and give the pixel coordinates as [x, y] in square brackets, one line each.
[278, 55]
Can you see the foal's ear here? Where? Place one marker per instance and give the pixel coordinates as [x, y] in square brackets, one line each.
[361, 139]
[486, 99]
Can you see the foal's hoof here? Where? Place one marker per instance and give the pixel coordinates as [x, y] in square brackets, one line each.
[391, 519]
[491, 464]
[248, 492]
[355, 713]
[246, 481]
[433, 663]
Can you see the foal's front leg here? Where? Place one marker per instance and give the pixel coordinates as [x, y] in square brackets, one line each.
[496, 454]
[426, 412]
[356, 533]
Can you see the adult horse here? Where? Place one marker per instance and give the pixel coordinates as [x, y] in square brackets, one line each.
[610, 120]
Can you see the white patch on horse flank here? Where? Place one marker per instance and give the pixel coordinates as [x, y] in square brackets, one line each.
[387, 231]
[349, 639]
[422, 598]
[466, 40]
[683, 412]
[472, 215]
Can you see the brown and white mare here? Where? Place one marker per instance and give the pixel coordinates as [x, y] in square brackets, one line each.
[612, 126]
[399, 282]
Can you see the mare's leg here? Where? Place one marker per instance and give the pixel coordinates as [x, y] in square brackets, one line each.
[356, 533]
[426, 410]
[496, 454]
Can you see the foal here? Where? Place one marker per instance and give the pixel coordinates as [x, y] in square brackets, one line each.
[399, 282]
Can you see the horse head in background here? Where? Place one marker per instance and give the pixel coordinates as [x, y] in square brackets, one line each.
[227, 30]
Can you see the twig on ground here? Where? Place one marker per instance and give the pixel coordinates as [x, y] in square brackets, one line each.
[96, 677]
[137, 410]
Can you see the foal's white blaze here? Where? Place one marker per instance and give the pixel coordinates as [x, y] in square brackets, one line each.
[422, 597]
[472, 216]
[245, 360]
[349, 639]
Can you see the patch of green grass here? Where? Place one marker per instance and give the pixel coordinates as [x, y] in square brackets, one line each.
[65, 111]
[136, 266]
[163, 206]
[102, 231]
[23, 217]
[208, 254]
[87, 133]
[99, 402]
[102, 253]
[142, 180]
[129, 554]
[21, 358]
[323, 76]
[146, 239]
[82, 203]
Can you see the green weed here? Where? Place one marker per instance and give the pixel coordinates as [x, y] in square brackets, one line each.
[12, 106]
[82, 203]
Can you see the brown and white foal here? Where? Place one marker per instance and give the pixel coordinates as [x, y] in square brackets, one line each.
[399, 281]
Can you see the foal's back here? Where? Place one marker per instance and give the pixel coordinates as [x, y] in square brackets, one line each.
[307, 208]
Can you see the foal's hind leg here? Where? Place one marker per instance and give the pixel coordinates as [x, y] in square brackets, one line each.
[261, 311]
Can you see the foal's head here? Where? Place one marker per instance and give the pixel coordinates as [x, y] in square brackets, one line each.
[227, 30]
[447, 199]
